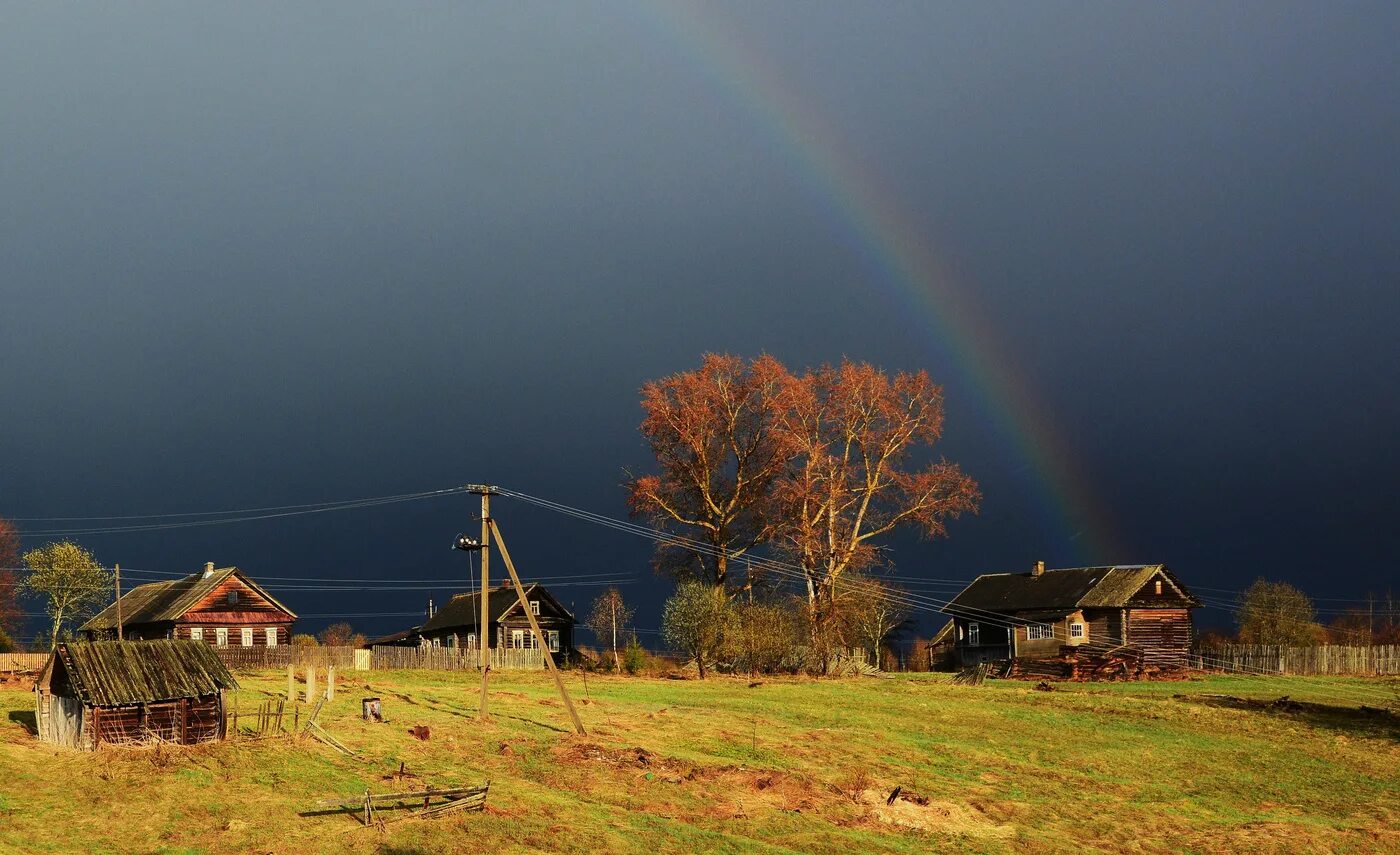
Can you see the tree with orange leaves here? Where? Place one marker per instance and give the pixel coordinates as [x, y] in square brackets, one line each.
[852, 431]
[712, 431]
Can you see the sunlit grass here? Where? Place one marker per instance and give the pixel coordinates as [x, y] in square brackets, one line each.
[789, 765]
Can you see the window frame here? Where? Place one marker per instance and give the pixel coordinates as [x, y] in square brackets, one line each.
[270, 636]
[552, 637]
[1040, 631]
[1078, 630]
[231, 597]
[221, 636]
[517, 639]
[974, 634]
[535, 607]
[245, 636]
[196, 633]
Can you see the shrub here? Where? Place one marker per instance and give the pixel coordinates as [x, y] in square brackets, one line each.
[634, 656]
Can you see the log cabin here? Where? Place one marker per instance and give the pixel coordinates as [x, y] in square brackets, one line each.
[131, 692]
[223, 607]
[1143, 609]
[455, 624]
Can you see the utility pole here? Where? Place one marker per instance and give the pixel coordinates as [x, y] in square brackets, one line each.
[483, 627]
[118, 568]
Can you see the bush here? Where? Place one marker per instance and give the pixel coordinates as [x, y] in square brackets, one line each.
[634, 656]
[696, 620]
[305, 639]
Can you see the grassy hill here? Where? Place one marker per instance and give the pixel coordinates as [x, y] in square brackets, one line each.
[790, 765]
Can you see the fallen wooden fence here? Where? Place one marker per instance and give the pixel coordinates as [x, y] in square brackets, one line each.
[1322, 660]
[456, 799]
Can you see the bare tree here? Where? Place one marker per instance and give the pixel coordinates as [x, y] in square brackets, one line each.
[1277, 613]
[853, 430]
[609, 618]
[871, 610]
[711, 431]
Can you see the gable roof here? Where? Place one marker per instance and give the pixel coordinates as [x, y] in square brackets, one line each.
[1061, 590]
[464, 610]
[158, 602]
[118, 673]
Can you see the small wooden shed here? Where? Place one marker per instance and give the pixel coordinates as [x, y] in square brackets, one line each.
[131, 692]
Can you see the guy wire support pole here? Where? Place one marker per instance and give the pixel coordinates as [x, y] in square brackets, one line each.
[483, 628]
[535, 627]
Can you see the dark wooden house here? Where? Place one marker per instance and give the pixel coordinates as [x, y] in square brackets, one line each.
[455, 624]
[130, 692]
[1144, 609]
[223, 607]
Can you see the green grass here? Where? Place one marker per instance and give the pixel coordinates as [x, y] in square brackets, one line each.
[791, 765]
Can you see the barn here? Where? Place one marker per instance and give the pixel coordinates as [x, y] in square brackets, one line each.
[223, 607]
[1141, 608]
[131, 692]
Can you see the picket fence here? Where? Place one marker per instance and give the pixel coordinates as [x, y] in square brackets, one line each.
[22, 661]
[1322, 660]
[388, 657]
[255, 658]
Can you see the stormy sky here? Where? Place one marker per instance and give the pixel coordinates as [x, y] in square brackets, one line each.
[269, 254]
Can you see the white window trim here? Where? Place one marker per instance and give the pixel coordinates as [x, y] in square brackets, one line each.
[246, 636]
[221, 636]
[1077, 630]
[974, 634]
[535, 607]
[270, 635]
[517, 639]
[553, 636]
[196, 633]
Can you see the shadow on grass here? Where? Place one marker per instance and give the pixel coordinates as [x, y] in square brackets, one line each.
[1363, 720]
[27, 720]
[387, 849]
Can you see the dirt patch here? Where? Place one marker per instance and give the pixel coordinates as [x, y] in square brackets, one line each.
[911, 810]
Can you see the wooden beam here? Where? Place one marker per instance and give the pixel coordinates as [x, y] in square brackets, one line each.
[535, 626]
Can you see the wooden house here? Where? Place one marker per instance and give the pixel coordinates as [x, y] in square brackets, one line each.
[127, 692]
[455, 624]
[1144, 609]
[223, 607]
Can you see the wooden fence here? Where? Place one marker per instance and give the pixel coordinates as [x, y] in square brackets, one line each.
[388, 657]
[22, 661]
[1322, 660]
[254, 658]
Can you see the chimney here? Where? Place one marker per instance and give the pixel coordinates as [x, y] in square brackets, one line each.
[1038, 569]
[208, 569]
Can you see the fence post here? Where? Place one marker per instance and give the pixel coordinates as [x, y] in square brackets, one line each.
[330, 682]
[310, 684]
[291, 682]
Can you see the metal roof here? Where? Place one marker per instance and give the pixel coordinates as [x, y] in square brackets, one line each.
[1061, 590]
[121, 673]
[159, 602]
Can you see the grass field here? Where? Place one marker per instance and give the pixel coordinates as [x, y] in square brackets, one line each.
[790, 765]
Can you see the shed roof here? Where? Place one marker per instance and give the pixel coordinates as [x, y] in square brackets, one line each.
[1060, 590]
[158, 602]
[120, 673]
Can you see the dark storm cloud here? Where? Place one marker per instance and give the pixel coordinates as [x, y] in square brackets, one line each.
[265, 254]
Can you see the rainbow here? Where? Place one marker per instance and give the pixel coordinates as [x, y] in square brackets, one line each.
[900, 250]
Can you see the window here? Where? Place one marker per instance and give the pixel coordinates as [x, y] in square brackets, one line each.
[247, 636]
[553, 636]
[471, 639]
[196, 633]
[1076, 630]
[517, 638]
[1158, 587]
[233, 598]
[271, 635]
[974, 633]
[535, 606]
[1037, 631]
[221, 636]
